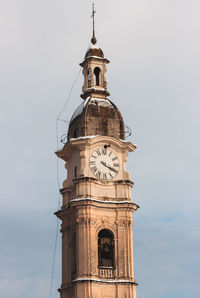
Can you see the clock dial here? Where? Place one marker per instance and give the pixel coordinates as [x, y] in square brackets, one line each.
[104, 163]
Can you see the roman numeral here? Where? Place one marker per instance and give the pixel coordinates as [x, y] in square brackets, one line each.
[114, 158]
[104, 151]
[111, 176]
[98, 174]
[93, 169]
[98, 152]
[94, 156]
[116, 165]
[92, 163]
[104, 176]
[110, 153]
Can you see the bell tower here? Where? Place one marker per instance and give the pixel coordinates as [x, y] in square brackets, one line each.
[96, 212]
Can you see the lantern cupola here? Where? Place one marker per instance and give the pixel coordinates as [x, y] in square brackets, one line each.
[94, 72]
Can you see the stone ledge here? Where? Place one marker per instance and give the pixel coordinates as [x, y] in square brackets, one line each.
[115, 281]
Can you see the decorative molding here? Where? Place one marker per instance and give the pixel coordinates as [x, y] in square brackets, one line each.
[127, 182]
[85, 179]
[105, 219]
[102, 226]
[114, 281]
[124, 223]
[104, 202]
[85, 220]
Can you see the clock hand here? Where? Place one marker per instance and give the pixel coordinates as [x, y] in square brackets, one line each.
[112, 169]
[109, 167]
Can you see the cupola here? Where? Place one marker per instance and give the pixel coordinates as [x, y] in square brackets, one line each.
[96, 115]
[94, 71]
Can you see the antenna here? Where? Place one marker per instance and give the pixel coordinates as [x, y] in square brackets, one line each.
[93, 40]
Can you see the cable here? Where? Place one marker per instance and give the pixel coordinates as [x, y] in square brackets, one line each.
[70, 92]
[58, 182]
[54, 256]
[58, 119]
[57, 174]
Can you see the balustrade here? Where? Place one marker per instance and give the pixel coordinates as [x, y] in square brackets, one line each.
[107, 273]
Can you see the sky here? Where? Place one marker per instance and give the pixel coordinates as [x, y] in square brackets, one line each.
[153, 77]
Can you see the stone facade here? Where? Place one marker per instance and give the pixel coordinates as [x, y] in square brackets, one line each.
[96, 213]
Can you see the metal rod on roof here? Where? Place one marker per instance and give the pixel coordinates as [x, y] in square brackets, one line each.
[93, 13]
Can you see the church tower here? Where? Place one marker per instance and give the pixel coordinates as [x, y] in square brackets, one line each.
[96, 213]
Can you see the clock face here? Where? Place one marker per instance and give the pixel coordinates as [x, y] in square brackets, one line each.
[104, 163]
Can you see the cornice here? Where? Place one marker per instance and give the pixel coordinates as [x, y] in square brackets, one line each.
[85, 62]
[96, 181]
[106, 281]
[91, 201]
[115, 281]
[102, 201]
[81, 142]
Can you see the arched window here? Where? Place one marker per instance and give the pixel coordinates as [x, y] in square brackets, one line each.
[105, 248]
[97, 76]
[75, 133]
[88, 78]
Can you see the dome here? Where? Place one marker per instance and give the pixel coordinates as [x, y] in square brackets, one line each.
[96, 116]
[94, 51]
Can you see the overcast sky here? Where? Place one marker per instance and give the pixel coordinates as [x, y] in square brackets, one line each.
[154, 79]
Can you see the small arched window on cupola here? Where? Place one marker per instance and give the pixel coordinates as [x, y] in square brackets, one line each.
[97, 76]
[88, 78]
[105, 248]
[75, 133]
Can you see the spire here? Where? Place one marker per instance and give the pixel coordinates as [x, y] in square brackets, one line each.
[94, 68]
[93, 40]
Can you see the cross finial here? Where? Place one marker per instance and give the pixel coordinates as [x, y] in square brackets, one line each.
[93, 40]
